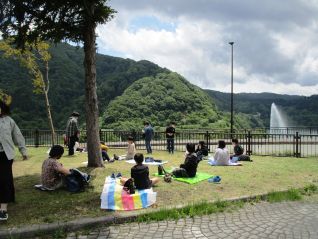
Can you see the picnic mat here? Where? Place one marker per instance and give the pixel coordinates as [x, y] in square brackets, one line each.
[114, 197]
[198, 178]
[132, 161]
[212, 163]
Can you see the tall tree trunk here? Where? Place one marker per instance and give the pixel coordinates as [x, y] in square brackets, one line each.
[47, 102]
[91, 104]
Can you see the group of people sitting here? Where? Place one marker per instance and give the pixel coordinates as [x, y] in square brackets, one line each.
[54, 173]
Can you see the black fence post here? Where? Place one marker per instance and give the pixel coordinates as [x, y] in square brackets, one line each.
[37, 138]
[249, 136]
[297, 146]
[207, 140]
[100, 135]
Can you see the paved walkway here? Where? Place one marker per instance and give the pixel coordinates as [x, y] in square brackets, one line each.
[263, 220]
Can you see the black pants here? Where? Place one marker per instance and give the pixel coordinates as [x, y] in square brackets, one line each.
[7, 193]
[71, 144]
[105, 156]
[170, 145]
[180, 173]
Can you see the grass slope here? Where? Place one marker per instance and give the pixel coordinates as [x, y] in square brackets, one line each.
[265, 174]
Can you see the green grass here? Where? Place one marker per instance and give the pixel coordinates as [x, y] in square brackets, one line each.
[191, 210]
[290, 195]
[265, 174]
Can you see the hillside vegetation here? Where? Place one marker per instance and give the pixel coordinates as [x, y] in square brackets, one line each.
[158, 96]
[67, 91]
[300, 110]
[164, 98]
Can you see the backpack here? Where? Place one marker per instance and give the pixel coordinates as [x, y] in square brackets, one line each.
[76, 181]
[129, 186]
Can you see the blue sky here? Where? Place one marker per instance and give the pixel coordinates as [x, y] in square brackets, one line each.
[275, 41]
[150, 22]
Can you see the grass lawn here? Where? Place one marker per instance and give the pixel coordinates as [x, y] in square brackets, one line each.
[265, 174]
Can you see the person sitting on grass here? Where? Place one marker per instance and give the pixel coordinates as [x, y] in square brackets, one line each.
[53, 172]
[221, 156]
[189, 168]
[202, 150]
[238, 151]
[104, 148]
[140, 174]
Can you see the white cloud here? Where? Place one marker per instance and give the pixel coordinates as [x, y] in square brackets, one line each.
[275, 42]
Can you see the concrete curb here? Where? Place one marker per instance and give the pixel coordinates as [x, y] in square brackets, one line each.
[74, 225]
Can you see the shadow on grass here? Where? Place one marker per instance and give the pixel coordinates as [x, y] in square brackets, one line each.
[33, 206]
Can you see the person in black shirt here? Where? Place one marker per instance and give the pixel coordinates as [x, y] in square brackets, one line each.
[140, 174]
[202, 150]
[170, 132]
[189, 168]
[239, 151]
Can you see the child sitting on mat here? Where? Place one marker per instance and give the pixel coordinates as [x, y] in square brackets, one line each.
[189, 168]
[140, 174]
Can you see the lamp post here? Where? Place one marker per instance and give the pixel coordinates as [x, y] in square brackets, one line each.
[231, 43]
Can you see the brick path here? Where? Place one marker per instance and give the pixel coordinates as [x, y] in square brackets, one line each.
[263, 220]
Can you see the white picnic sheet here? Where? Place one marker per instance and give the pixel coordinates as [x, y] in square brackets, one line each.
[132, 161]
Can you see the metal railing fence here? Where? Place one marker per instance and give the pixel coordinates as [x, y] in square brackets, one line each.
[254, 142]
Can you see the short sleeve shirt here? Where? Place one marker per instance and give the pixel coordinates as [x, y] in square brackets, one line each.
[50, 177]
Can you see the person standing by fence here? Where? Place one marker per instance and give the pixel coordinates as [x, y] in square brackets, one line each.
[170, 131]
[149, 133]
[72, 132]
[10, 135]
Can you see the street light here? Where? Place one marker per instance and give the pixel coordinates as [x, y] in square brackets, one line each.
[231, 43]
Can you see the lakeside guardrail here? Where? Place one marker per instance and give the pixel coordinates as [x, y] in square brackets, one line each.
[254, 143]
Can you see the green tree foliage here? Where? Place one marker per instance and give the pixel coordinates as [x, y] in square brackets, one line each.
[161, 99]
[72, 20]
[32, 57]
[67, 89]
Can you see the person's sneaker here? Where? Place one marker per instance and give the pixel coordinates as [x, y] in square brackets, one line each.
[113, 175]
[3, 216]
[119, 175]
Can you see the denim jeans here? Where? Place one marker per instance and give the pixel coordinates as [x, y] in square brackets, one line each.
[170, 145]
[148, 146]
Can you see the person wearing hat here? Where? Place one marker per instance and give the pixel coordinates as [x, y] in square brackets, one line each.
[72, 132]
[10, 135]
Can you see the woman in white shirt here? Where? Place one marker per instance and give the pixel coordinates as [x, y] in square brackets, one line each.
[221, 156]
[10, 135]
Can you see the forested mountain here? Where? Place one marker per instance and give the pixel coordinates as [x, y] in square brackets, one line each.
[158, 95]
[67, 91]
[301, 110]
[164, 98]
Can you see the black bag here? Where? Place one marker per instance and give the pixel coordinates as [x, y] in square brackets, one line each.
[244, 158]
[76, 181]
[129, 186]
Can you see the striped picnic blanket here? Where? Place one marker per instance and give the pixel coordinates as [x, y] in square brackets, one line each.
[114, 197]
